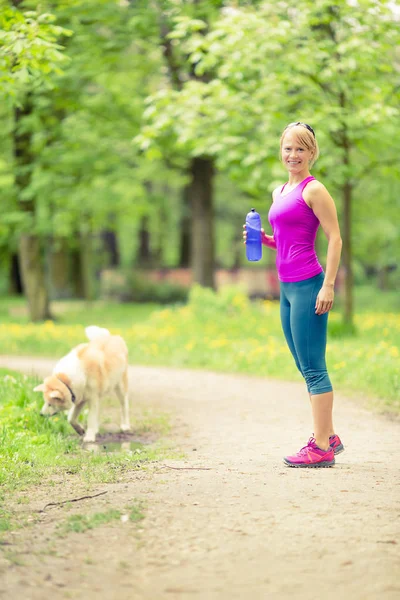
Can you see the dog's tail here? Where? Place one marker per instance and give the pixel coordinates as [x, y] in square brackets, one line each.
[93, 332]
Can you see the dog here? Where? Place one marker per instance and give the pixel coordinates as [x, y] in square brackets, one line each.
[86, 375]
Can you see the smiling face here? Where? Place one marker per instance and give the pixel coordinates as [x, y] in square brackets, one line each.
[55, 394]
[297, 155]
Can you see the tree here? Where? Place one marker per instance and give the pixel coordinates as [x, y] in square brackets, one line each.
[29, 50]
[334, 64]
[173, 132]
[29, 56]
[348, 69]
[73, 140]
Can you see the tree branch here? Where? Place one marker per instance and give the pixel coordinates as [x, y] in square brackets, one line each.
[73, 500]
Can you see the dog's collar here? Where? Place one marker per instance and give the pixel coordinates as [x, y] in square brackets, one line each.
[73, 397]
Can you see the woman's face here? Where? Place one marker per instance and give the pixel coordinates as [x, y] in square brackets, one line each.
[295, 155]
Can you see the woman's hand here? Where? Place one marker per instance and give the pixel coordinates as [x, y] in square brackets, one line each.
[324, 301]
[266, 240]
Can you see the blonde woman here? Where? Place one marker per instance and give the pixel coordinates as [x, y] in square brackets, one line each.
[299, 207]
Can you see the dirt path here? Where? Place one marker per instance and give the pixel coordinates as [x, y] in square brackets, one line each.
[247, 527]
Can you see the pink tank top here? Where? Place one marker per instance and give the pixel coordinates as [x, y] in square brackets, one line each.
[295, 228]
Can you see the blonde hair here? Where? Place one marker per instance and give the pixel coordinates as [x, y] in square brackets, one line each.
[306, 136]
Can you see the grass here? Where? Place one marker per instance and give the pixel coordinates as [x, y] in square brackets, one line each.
[42, 452]
[5, 521]
[221, 332]
[225, 332]
[77, 312]
[33, 448]
[79, 523]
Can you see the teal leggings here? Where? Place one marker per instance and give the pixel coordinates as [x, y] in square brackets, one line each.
[305, 331]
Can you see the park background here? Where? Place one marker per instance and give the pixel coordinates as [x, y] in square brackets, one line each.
[136, 135]
[135, 138]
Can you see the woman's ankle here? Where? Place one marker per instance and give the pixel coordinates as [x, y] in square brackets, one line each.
[323, 443]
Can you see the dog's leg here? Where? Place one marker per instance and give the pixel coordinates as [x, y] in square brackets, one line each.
[122, 393]
[73, 417]
[93, 420]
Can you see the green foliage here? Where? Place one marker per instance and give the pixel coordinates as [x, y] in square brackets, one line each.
[122, 95]
[255, 68]
[230, 301]
[30, 55]
[84, 172]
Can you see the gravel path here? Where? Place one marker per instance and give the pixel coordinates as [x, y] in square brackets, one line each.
[230, 521]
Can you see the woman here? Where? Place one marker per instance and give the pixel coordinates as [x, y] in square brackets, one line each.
[306, 292]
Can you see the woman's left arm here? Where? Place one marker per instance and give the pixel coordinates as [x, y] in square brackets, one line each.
[321, 202]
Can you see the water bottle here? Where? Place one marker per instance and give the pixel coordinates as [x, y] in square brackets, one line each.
[253, 241]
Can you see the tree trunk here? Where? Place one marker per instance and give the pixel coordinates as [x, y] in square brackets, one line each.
[237, 253]
[33, 277]
[347, 192]
[383, 277]
[184, 241]
[30, 256]
[201, 197]
[14, 277]
[82, 267]
[87, 266]
[76, 274]
[347, 255]
[144, 251]
[59, 268]
[158, 253]
[110, 243]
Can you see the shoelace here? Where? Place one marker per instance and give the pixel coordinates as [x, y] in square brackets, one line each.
[304, 449]
[312, 443]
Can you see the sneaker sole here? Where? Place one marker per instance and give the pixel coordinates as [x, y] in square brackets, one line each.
[322, 465]
[338, 449]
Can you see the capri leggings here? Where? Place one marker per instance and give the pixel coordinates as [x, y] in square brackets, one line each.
[305, 331]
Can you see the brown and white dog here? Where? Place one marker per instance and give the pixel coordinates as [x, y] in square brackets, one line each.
[86, 375]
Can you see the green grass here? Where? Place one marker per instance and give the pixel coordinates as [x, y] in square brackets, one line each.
[79, 312]
[5, 521]
[79, 523]
[39, 452]
[225, 332]
[136, 512]
[368, 298]
[221, 332]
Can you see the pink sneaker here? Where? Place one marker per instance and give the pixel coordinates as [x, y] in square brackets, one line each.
[336, 443]
[311, 456]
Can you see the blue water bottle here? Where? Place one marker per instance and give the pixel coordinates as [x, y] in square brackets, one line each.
[253, 241]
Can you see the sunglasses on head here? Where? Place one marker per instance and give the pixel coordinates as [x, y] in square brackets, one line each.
[303, 125]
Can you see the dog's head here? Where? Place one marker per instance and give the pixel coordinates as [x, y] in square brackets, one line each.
[56, 394]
